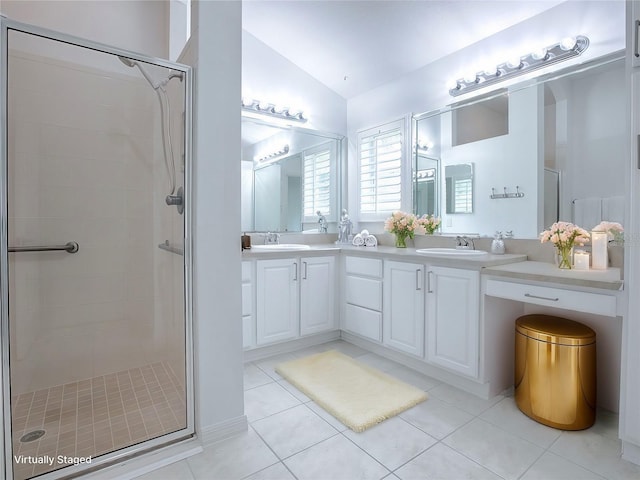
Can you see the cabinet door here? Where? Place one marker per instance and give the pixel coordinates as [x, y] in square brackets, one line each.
[248, 317]
[452, 319]
[276, 300]
[403, 307]
[317, 286]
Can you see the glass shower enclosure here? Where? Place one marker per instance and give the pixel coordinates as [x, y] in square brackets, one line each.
[95, 253]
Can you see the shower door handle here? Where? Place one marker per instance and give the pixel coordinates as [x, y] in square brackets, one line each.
[69, 247]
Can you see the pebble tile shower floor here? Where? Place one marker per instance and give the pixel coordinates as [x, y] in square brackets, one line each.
[98, 415]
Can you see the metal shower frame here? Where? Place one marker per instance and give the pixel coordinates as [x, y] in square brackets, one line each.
[6, 463]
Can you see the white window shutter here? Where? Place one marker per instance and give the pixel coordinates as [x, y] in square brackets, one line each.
[380, 154]
[318, 167]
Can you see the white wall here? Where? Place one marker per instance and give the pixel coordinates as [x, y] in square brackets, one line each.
[426, 89]
[268, 76]
[81, 168]
[137, 25]
[215, 50]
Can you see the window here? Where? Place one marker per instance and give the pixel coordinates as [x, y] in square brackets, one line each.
[318, 172]
[380, 154]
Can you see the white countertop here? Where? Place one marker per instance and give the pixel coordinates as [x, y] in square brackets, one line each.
[401, 254]
[609, 279]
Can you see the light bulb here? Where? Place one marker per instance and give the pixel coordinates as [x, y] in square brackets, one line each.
[568, 43]
[515, 62]
[471, 78]
[539, 54]
[491, 70]
[453, 85]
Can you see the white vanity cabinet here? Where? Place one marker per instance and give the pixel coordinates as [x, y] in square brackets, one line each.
[276, 300]
[317, 287]
[248, 330]
[294, 297]
[403, 312]
[362, 312]
[453, 297]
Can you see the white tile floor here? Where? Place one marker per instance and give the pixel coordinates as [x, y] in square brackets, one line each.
[453, 435]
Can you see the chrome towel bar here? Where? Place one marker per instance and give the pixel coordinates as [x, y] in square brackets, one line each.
[70, 247]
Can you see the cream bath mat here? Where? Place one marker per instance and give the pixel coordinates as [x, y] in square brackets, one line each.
[356, 394]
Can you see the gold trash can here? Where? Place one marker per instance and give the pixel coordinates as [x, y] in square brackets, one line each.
[555, 371]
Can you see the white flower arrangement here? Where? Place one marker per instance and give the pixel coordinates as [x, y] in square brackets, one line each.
[614, 230]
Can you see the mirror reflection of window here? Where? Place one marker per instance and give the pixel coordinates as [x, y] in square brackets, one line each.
[459, 188]
[317, 176]
[283, 190]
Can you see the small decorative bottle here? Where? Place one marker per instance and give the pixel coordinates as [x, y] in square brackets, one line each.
[497, 245]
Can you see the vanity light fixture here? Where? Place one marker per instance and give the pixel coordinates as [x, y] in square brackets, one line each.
[272, 157]
[422, 146]
[271, 110]
[422, 175]
[540, 58]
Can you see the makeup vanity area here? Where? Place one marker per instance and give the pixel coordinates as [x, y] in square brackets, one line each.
[450, 317]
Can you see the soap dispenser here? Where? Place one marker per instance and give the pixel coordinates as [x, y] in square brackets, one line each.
[497, 246]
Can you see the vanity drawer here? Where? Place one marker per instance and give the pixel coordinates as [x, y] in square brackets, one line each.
[363, 322]
[364, 292]
[370, 267]
[596, 303]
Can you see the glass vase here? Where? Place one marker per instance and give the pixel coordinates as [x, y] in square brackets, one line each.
[401, 240]
[564, 257]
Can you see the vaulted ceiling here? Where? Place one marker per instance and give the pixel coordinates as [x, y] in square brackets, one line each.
[354, 46]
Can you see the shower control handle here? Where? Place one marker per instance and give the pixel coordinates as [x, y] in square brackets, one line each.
[173, 200]
[177, 200]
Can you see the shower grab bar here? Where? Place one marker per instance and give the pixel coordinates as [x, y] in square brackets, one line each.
[69, 247]
[170, 248]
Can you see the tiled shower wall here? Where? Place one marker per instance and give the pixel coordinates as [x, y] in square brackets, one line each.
[84, 162]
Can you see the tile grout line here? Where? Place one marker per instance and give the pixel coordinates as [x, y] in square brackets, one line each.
[280, 460]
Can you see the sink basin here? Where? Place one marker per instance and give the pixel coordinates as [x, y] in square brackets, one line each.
[279, 247]
[451, 252]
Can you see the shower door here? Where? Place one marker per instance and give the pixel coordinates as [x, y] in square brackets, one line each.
[95, 267]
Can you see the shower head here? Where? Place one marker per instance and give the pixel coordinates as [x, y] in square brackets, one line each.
[132, 63]
[127, 61]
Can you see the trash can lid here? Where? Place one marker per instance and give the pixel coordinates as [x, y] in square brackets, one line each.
[547, 328]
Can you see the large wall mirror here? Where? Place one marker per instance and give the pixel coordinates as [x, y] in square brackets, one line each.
[288, 175]
[544, 150]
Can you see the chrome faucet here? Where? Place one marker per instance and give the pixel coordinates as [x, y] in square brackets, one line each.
[271, 238]
[464, 243]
